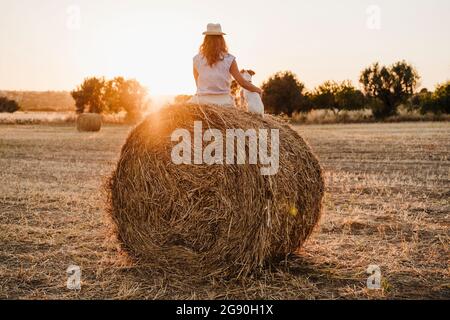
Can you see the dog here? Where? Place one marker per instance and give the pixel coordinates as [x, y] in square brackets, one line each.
[251, 101]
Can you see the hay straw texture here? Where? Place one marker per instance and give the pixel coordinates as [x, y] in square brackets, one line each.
[216, 220]
[89, 122]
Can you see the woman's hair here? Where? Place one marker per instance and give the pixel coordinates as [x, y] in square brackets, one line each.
[214, 49]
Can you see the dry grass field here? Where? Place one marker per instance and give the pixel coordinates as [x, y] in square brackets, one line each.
[387, 203]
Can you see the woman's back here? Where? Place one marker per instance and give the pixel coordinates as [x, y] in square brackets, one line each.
[214, 79]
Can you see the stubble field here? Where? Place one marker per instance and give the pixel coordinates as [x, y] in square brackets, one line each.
[387, 204]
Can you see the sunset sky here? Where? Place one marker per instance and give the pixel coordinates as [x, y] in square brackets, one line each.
[44, 46]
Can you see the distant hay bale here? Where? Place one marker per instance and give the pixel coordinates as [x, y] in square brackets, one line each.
[89, 122]
[219, 219]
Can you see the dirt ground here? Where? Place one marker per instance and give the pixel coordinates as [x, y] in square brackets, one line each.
[387, 204]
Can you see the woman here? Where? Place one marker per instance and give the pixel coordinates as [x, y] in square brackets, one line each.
[213, 68]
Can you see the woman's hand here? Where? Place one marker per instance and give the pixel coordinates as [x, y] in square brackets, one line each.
[260, 92]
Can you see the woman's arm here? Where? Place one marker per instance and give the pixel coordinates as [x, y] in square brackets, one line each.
[195, 75]
[234, 70]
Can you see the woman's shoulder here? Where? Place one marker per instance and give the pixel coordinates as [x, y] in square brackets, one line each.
[198, 60]
[229, 56]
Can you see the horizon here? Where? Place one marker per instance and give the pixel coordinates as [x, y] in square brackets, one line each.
[53, 45]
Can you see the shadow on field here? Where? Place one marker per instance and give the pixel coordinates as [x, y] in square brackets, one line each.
[296, 277]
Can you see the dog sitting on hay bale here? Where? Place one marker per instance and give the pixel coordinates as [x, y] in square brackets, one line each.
[89, 122]
[214, 218]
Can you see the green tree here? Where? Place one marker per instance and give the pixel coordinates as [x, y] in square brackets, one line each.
[285, 94]
[112, 96]
[441, 98]
[389, 87]
[337, 97]
[132, 98]
[437, 102]
[126, 95]
[417, 100]
[7, 105]
[90, 95]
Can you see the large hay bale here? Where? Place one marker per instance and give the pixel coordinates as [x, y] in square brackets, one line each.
[223, 220]
[89, 122]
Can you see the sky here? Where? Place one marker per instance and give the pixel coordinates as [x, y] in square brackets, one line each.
[55, 44]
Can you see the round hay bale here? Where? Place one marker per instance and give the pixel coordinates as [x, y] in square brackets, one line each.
[219, 219]
[89, 122]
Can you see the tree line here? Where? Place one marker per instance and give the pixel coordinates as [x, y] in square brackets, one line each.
[8, 105]
[98, 95]
[48, 101]
[384, 89]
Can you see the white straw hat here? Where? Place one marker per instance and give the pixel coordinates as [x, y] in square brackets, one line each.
[214, 29]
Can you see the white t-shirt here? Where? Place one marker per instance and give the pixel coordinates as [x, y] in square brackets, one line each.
[215, 79]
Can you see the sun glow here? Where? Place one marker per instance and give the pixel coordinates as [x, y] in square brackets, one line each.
[159, 58]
